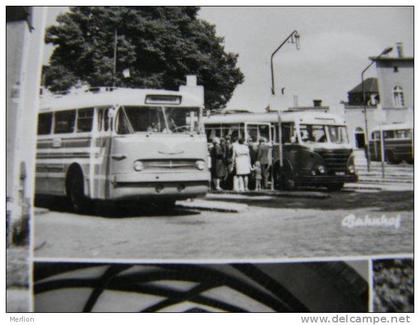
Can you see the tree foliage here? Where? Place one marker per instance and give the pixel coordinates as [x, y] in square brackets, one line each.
[159, 46]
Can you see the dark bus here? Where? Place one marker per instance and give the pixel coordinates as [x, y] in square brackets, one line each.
[315, 149]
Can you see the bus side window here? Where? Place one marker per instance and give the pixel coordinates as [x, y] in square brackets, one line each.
[264, 131]
[103, 119]
[274, 135]
[252, 132]
[286, 133]
[84, 120]
[402, 134]
[211, 133]
[388, 134]
[99, 126]
[375, 135]
[108, 119]
[64, 121]
[44, 123]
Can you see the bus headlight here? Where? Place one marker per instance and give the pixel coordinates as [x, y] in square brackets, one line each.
[321, 169]
[351, 168]
[318, 170]
[138, 166]
[200, 164]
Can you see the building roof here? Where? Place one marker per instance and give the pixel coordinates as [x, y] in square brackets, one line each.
[371, 86]
[273, 117]
[390, 59]
[120, 96]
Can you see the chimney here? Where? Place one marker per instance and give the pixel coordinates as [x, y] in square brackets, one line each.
[399, 47]
[317, 102]
[191, 80]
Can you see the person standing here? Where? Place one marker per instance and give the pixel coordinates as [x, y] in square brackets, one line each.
[253, 149]
[264, 157]
[217, 163]
[242, 164]
[258, 176]
[229, 163]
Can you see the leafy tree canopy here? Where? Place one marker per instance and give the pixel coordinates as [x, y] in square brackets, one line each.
[159, 46]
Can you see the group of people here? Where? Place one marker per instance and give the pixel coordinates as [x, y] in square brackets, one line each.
[238, 165]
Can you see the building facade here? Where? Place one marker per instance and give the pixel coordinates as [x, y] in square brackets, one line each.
[387, 98]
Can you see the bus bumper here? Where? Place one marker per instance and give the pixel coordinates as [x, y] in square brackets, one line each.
[175, 186]
[320, 180]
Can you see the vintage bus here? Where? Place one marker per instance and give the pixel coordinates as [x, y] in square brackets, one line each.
[397, 141]
[122, 144]
[315, 149]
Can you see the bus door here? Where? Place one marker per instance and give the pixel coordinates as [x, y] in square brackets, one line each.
[256, 131]
[104, 136]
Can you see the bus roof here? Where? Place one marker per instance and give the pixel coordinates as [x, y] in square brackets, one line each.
[393, 126]
[270, 117]
[120, 96]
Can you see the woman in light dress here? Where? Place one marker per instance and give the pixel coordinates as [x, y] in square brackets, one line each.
[242, 161]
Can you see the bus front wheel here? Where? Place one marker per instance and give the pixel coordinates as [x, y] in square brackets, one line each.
[75, 192]
[283, 178]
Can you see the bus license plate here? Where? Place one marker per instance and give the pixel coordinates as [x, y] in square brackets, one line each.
[340, 173]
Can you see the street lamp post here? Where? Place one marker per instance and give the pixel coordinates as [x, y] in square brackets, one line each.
[295, 38]
[367, 147]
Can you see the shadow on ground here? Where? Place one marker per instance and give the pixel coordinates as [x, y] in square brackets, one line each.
[381, 201]
[115, 210]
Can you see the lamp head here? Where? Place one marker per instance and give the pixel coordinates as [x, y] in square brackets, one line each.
[386, 51]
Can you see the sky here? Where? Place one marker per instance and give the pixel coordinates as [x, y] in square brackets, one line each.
[336, 43]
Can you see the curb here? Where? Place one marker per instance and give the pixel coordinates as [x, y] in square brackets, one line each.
[297, 194]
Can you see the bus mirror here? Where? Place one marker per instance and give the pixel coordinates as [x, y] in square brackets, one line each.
[111, 113]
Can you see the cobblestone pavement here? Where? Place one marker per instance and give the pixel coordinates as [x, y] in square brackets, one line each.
[271, 227]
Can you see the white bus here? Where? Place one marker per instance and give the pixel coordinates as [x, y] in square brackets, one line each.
[123, 144]
[315, 148]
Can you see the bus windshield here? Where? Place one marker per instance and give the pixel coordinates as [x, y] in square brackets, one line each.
[323, 133]
[133, 119]
[338, 134]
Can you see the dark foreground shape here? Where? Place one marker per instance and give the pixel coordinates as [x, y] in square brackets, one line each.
[280, 287]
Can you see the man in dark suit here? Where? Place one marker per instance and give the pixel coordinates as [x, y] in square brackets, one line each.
[264, 157]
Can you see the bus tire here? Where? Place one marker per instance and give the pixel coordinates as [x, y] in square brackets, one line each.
[289, 183]
[283, 178]
[75, 191]
[336, 187]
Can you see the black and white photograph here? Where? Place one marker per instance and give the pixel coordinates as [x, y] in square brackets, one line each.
[187, 158]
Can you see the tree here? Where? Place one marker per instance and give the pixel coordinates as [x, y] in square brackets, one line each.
[159, 45]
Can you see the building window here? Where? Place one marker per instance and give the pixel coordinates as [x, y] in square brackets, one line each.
[398, 96]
